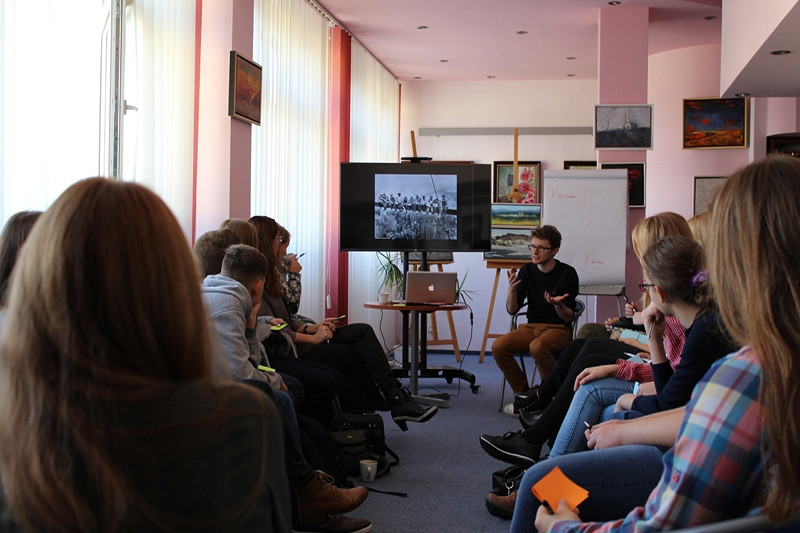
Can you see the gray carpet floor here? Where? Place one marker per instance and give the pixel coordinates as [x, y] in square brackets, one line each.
[442, 467]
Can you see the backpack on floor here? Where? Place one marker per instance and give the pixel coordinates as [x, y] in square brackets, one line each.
[362, 437]
[320, 450]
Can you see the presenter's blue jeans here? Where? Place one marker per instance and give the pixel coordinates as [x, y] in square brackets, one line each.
[587, 406]
[618, 479]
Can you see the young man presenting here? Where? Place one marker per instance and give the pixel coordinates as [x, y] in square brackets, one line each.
[550, 287]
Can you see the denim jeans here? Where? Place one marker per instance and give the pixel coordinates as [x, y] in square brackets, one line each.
[587, 406]
[618, 479]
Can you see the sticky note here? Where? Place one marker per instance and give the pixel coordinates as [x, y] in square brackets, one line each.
[556, 486]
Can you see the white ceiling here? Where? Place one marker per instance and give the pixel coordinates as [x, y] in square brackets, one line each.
[471, 40]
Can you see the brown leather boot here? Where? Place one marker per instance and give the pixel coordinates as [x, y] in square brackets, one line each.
[320, 497]
[502, 506]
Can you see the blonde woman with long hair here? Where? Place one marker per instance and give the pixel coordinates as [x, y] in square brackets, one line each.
[735, 450]
[111, 418]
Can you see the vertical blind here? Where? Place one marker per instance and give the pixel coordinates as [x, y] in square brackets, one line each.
[374, 130]
[288, 182]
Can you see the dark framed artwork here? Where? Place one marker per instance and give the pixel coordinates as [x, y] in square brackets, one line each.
[623, 127]
[244, 90]
[524, 188]
[636, 182]
[705, 187]
[715, 122]
[580, 165]
[516, 215]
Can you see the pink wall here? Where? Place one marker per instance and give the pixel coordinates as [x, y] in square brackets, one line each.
[685, 73]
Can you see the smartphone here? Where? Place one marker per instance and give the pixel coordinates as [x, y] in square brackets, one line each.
[278, 328]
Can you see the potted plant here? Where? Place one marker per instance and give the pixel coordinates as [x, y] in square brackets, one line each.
[391, 276]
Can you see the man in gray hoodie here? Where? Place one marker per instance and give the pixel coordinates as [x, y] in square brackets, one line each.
[232, 299]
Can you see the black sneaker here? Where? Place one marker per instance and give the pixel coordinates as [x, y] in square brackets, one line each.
[511, 448]
[533, 402]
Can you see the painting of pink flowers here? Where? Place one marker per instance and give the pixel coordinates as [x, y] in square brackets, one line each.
[524, 188]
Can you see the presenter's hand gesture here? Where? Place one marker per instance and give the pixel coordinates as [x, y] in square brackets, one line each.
[513, 280]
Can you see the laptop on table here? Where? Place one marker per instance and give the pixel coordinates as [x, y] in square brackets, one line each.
[431, 288]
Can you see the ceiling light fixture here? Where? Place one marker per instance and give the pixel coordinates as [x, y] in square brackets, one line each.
[422, 27]
[570, 75]
[571, 58]
[521, 32]
[710, 17]
[614, 3]
[490, 77]
[741, 95]
[444, 61]
[781, 52]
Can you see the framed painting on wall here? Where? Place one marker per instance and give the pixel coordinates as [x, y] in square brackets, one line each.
[524, 188]
[715, 122]
[705, 187]
[580, 165]
[635, 181]
[244, 89]
[623, 127]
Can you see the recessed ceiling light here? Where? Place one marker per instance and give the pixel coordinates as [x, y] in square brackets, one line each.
[781, 52]
[570, 75]
[710, 17]
[422, 27]
[571, 58]
[490, 77]
[521, 32]
[741, 95]
[614, 3]
[444, 61]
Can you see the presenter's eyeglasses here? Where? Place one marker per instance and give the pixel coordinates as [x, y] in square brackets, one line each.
[533, 247]
[643, 286]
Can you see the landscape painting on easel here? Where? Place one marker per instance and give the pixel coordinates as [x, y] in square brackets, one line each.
[510, 243]
[516, 215]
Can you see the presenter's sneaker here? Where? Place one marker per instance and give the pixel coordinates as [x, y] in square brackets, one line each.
[511, 448]
[334, 523]
[405, 409]
[320, 497]
[502, 506]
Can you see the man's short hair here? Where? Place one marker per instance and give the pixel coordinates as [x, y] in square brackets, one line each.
[548, 233]
[209, 249]
[245, 264]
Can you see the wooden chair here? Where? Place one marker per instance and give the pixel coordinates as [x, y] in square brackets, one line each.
[580, 307]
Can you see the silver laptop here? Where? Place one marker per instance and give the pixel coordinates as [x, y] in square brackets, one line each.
[431, 287]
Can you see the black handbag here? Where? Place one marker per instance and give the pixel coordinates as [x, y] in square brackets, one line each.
[507, 480]
[362, 437]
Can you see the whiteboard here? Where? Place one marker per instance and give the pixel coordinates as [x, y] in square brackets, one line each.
[590, 209]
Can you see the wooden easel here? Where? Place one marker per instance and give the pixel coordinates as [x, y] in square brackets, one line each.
[498, 265]
[435, 340]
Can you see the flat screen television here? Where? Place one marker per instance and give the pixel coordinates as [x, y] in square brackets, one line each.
[415, 207]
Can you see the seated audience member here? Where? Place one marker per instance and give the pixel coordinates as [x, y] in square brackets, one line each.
[209, 250]
[112, 420]
[675, 291]
[14, 234]
[549, 287]
[232, 299]
[314, 385]
[735, 452]
[353, 349]
[243, 229]
[674, 268]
